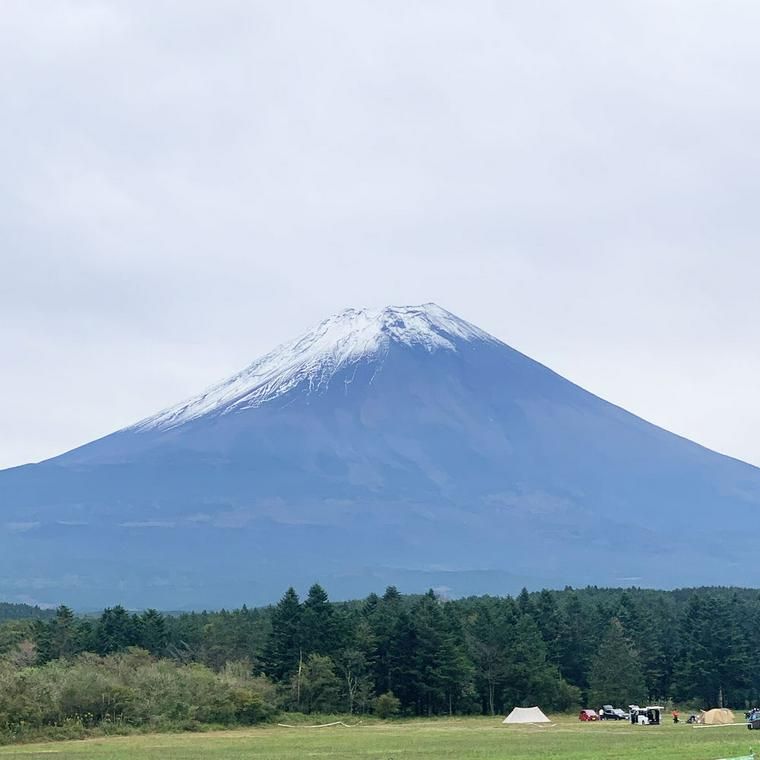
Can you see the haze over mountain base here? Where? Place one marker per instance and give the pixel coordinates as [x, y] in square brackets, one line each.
[404, 446]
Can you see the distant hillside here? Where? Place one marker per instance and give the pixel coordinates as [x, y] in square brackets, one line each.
[9, 611]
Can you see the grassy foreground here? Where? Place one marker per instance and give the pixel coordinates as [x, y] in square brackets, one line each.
[455, 739]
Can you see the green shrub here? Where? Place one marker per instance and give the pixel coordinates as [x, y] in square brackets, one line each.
[115, 693]
[387, 705]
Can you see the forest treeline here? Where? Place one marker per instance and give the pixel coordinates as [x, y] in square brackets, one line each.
[389, 654]
[10, 611]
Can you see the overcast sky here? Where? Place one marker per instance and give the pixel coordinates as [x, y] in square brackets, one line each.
[184, 185]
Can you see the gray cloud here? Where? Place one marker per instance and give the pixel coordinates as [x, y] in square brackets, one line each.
[185, 185]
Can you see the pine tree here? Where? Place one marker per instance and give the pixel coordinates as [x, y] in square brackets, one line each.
[429, 654]
[639, 626]
[525, 603]
[383, 617]
[319, 626]
[391, 595]
[550, 622]
[151, 632]
[456, 670]
[714, 666]
[487, 643]
[530, 679]
[616, 676]
[733, 654]
[283, 651]
[115, 630]
[58, 637]
[404, 663]
[576, 647]
[752, 629]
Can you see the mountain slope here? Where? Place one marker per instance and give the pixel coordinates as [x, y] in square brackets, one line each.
[404, 445]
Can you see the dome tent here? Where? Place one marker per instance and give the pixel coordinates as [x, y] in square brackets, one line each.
[526, 715]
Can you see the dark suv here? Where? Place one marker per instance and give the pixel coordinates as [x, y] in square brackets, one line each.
[613, 713]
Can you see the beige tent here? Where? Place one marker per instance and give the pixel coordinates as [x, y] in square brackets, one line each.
[716, 717]
[526, 715]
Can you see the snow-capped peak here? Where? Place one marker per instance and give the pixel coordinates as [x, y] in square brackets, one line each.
[347, 337]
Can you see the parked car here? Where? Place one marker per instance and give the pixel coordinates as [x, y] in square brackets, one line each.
[613, 713]
[753, 719]
[588, 715]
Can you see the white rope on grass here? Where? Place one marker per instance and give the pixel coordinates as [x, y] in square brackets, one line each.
[321, 725]
[717, 725]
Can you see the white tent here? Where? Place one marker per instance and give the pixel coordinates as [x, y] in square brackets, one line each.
[526, 715]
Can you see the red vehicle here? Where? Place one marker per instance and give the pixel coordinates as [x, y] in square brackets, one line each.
[588, 715]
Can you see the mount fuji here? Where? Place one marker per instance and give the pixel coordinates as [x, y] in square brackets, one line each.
[401, 446]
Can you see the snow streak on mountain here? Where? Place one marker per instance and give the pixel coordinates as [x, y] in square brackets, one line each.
[400, 446]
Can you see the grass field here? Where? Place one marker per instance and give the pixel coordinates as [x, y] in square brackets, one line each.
[452, 739]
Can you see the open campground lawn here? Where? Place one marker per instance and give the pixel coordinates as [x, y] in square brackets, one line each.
[456, 739]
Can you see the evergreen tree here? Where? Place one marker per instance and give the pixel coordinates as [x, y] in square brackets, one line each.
[530, 679]
[489, 636]
[57, 638]
[640, 628]
[616, 676]
[403, 663]
[319, 626]
[115, 631]
[576, 647]
[456, 670]
[391, 595]
[752, 633]
[525, 603]
[732, 653]
[429, 654]
[283, 651]
[383, 618]
[715, 663]
[151, 632]
[549, 619]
